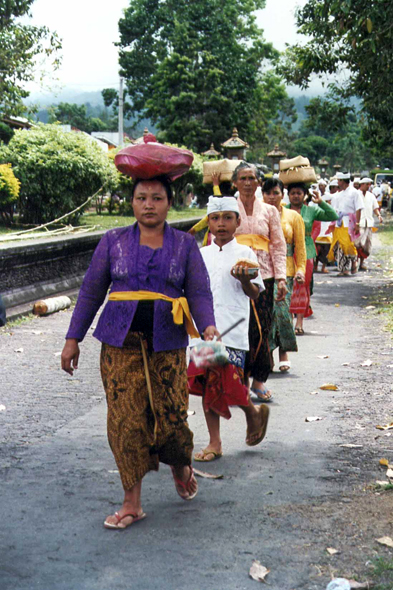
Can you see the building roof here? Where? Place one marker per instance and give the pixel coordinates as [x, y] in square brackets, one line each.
[235, 141]
[211, 152]
[276, 153]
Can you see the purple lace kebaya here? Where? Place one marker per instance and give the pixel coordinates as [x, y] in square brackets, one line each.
[116, 264]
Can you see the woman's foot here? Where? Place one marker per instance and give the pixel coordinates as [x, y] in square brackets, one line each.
[209, 454]
[285, 364]
[185, 482]
[262, 392]
[126, 516]
[325, 270]
[299, 331]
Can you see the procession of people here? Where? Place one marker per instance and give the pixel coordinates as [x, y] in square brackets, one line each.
[229, 305]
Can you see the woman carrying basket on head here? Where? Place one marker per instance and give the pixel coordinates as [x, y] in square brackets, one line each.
[156, 277]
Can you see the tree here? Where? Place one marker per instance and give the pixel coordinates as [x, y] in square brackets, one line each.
[193, 68]
[353, 41]
[76, 116]
[57, 171]
[20, 45]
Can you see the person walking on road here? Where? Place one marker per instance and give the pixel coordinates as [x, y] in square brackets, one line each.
[282, 334]
[156, 276]
[229, 265]
[321, 211]
[348, 204]
[260, 228]
[371, 207]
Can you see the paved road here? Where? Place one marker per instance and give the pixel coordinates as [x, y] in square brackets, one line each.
[282, 502]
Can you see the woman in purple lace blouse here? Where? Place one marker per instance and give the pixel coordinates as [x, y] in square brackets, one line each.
[143, 356]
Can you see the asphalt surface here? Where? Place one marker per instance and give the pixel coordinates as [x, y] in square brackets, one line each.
[282, 502]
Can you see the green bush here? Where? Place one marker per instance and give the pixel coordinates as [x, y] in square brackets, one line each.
[9, 191]
[6, 132]
[58, 171]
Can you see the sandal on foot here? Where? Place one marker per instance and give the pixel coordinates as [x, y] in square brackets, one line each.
[118, 525]
[284, 366]
[260, 434]
[299, 331]
[182, 487]
[264, 395]
[203, 455]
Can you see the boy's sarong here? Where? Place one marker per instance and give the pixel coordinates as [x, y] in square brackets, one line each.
[282, 333]
[220, 386]
[141, 430]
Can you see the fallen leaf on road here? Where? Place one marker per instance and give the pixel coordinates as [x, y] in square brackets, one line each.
[113, 471]
[313, 418]
[2, 408]
[336, 305]
[36, 332]
[351, 446]
[388, 541]
[190, 412]
[18, 350]
[383, 484]
[258, 572]
[329, 387]
[323, 356]
[384, 462]
[363, 297]
[314, 392]
[361, 585]
[389, 472]
[332, 551]
[57, 353]
[313, 332]
[370, 307]
[386, 427]
[366, 363]
[207, 475]
[345, 365]
[389, 366]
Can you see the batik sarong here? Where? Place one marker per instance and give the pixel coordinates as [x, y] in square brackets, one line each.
[220, 386]
[258, 359]
[145, 427]
[282, 333]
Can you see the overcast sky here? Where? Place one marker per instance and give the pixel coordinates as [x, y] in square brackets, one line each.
[88, 33]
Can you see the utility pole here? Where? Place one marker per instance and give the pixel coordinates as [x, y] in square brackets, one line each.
[121, 108]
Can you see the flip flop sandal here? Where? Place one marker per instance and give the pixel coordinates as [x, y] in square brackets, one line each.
[299, 331]
[284, 366]
[201, 457]
[185, 486]
[117, 526]
[264, 411]
[264, 395]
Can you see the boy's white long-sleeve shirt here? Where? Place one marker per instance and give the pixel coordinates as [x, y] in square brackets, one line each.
[229, 300]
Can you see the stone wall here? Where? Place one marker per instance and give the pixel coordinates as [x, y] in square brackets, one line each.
[41, 268]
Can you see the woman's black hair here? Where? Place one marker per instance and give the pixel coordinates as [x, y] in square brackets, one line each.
[300, 185]
[271, 183]
[164, 180]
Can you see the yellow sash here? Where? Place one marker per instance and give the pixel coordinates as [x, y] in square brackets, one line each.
[180, 310]
[253, 241]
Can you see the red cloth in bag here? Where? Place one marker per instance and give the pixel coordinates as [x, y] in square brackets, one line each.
[149, 159]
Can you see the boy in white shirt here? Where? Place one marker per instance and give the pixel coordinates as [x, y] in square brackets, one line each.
[371, 207]
[232, 287]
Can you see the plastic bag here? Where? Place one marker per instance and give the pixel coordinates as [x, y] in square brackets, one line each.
[209, 354]
[150, 159]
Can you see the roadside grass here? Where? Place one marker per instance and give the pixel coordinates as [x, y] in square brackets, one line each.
[4, 330]
[385, 304]
[382, 573]
[106, 221]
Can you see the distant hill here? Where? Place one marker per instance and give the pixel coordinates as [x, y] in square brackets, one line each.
[66, 95]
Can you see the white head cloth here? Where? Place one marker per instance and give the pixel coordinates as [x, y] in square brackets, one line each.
[322, 181]
[343, 176]
[366, 180]
[217, 204]
[357, 179]
[333, 182]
